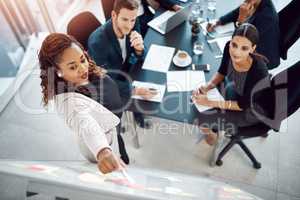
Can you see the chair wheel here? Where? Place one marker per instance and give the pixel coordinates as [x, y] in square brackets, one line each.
[257, 165]
[219, 162]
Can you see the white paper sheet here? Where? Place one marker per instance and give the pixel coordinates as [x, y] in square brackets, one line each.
[213, 95]
[159, 88]
[159, 58]
[180, 81]
[227, 28]
[220, 31]
[221, 42]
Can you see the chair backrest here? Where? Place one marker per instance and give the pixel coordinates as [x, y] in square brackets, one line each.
[289, 24]
[286, 85]
[82, 25]
[107, 6]
[284, 98]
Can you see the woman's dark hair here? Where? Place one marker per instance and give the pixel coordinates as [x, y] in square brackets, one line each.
[250, 32]
[52, 48]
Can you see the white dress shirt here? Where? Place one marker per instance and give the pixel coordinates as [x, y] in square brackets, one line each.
[93, 124]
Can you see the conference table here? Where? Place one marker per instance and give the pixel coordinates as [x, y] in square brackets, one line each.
[176, 106]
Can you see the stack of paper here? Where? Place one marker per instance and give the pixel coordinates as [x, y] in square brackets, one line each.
[160, 89]
[159, 58]
[180, 81]
[213, 95]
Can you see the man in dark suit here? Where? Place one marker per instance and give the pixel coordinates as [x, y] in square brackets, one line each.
[118, 48]
[262, 14]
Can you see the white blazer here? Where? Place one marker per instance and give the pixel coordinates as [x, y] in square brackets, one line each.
[93, 124]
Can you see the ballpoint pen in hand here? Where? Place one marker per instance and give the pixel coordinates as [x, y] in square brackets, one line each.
[125, 174]
[152, 89]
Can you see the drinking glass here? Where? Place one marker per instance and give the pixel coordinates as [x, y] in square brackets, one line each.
[211, 5]
[198, 47]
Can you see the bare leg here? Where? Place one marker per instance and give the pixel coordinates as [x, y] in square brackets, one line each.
[211, 137]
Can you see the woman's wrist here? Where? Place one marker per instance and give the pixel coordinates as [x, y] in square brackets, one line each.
[134, 90]
[103, 152]
[210, 86]
[241, 20]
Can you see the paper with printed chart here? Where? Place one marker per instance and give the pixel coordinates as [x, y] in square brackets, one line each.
[213, 95]
[181, 81]
[160, 89]
[159, 58]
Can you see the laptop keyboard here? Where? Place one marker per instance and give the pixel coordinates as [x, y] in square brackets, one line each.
[162, 19]
[163, 25]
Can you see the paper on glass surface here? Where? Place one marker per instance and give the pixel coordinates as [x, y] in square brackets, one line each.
[220, 31]
[180, 81]
[151, 184]
[221, 42]
[159, 58]
[227, 28]
[91, 178]
[159, 88]
[213, 95]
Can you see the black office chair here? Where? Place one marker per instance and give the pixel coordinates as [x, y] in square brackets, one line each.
[289, 24]
[244, 133]
[286, 87]
[107, 6]
[81, 26]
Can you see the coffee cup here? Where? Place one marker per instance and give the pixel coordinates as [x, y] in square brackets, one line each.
[182, 57]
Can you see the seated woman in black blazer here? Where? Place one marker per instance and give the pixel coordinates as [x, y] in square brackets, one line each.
[262, 14]
[248, 74]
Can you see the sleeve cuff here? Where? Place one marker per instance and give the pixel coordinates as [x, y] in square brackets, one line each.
[97, 151]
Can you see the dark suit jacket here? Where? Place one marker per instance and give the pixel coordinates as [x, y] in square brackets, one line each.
[265, 19]
[104, 48]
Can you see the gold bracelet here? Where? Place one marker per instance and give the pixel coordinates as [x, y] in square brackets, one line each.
[230, 103]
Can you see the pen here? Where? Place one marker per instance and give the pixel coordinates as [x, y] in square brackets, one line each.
[123, 171]
[152, 89]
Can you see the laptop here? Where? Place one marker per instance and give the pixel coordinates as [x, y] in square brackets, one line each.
[169, 20]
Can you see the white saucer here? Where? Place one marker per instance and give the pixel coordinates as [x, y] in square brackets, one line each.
[187, 62]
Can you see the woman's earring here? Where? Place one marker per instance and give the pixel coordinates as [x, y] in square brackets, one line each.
[59, 74]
